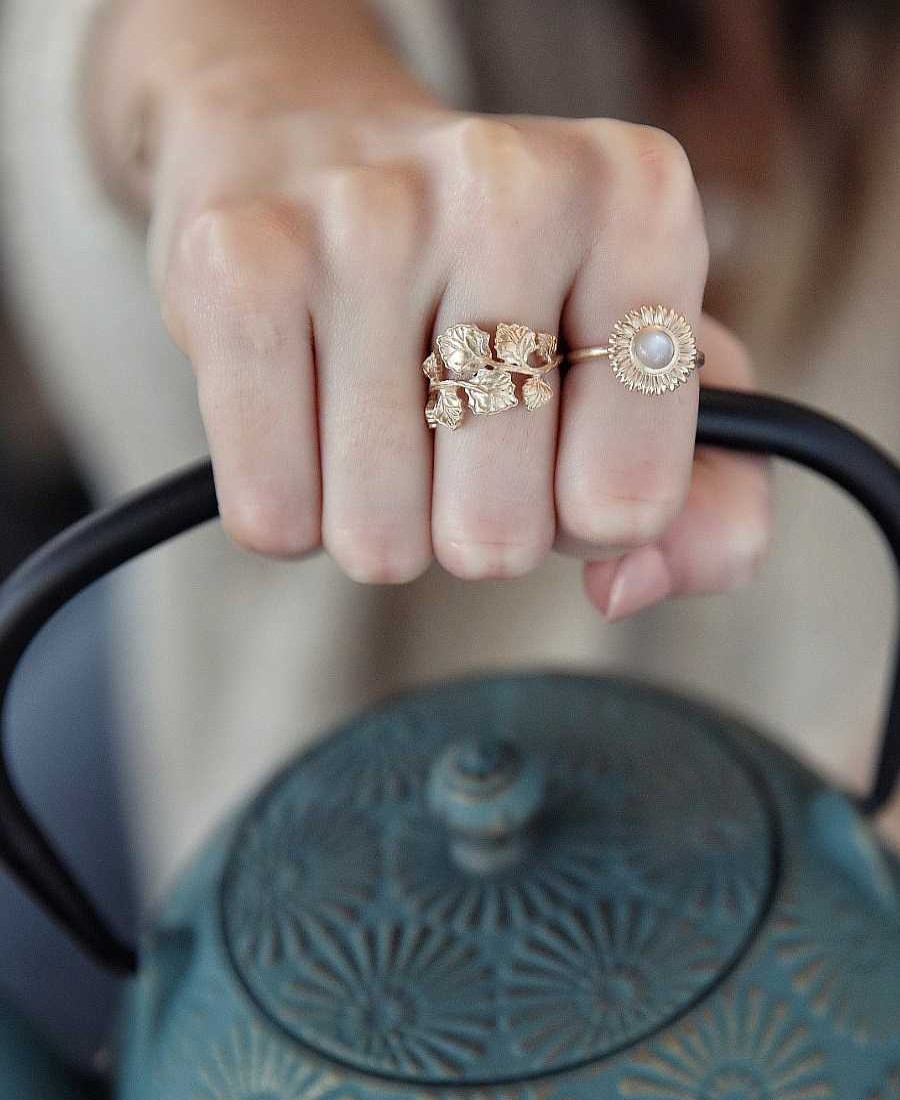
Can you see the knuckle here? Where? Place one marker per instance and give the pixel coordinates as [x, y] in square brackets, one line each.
[597, 163]
[663, 164]
[596, 149]
[269, 525]
[663, 198]
[373, 211]
[473, 140]
[479, 551]
[662, 158]
[494, 164]
[241, 252]
[617, 520]
[369, 558]
[213, 98]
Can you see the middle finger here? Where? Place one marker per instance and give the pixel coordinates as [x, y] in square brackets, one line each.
[493, 512]
[492, 507]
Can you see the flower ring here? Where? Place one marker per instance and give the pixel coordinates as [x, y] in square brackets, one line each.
[651, 349]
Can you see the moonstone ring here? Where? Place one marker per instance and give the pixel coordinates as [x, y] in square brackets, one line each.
[651, 349]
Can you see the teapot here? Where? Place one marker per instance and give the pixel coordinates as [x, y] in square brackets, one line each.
[516, 887]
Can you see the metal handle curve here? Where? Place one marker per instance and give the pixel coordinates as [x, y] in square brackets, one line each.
[107, 539]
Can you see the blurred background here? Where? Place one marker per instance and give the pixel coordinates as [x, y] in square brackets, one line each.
[790, 112]
[40, 488]
[60, 740]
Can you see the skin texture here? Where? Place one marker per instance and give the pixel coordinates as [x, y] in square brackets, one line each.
[315, 217]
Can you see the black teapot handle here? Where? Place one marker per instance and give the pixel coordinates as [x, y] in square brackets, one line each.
[101, 542]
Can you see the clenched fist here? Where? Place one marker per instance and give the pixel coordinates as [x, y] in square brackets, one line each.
[316, 218]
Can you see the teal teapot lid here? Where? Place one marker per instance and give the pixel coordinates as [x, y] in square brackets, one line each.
[498, 879]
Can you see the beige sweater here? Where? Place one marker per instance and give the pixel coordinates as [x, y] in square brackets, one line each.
[229, 662]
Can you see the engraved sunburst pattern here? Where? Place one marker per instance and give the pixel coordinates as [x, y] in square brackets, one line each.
[589, 981]
[706, 848]
[248, 1065]
[692, 828]
[385, 761]
[564, 866]
[890, 1089]
[844, 959]
[537, 1091]
[296, 862]
[746, 1047]
[717, 866]
[397, 998]
[443, 971]
[613, 830]
[665, 329]
[206, 1053]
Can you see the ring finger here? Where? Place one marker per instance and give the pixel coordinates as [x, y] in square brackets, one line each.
[624, 460]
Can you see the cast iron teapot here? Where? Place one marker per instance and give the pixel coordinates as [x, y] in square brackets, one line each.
[526, 887]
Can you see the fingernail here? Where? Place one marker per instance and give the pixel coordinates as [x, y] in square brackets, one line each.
[599, 576]
[641, 580]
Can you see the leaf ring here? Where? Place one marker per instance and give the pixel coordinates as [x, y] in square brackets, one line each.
[461, 368]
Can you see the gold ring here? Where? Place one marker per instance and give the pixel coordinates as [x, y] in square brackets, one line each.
[461, 367]
[651, 349]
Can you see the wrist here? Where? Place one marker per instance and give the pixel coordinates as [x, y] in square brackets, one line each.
[151, 59]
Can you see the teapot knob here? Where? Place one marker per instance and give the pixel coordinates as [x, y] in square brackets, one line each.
[487, 791]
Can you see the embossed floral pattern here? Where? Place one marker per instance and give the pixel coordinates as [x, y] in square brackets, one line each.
[397, 998]
[537, 1091]
[384, 762]
[625, 358]
[710, 856]
[722, 866]
[890, 1090]
[296, 863]
[208, 1054]
[844, 958]
[566, 866]
[248, 1065]
[694, 832]
[589, 981]
[744, 1047]
[437, 969]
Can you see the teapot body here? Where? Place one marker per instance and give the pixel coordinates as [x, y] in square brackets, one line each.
[690, 915]
[29, 1067]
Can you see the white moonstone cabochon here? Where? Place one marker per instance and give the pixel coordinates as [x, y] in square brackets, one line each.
[653, 348]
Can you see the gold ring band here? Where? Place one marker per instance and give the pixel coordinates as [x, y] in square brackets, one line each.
[462, 369]
[581, 354]
[652, 349]
[602, 352]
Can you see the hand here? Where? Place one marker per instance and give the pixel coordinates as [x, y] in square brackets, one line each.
[306, 255]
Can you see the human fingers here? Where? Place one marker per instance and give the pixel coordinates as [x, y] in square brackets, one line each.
[493, 499]
[720, 538]
[624, 461]
[372, 312]
[235, 297]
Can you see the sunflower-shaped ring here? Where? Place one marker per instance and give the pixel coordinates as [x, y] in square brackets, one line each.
[652, 349]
